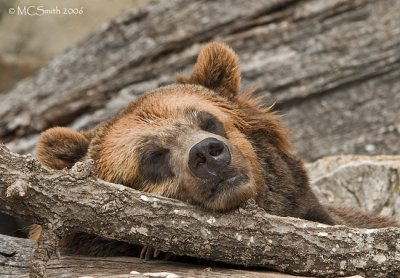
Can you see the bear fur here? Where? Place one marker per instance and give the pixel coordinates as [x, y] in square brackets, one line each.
[147, 147]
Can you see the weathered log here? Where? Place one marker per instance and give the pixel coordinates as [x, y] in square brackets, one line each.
[16, 254]
[331, 66]
[71, 200]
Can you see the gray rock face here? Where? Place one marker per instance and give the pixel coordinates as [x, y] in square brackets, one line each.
[371, 183]
[332, 67]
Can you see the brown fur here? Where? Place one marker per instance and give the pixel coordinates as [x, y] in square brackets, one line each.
[355, 218]
[61, 147]
[217, 70]
[146, 146]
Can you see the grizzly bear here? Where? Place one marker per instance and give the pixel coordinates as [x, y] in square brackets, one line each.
[203, 142]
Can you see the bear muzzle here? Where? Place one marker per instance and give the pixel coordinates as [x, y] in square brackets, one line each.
[209, 158]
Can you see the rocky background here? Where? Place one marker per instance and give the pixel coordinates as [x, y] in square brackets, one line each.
[331, 67]
[371, 183]
[29, 42]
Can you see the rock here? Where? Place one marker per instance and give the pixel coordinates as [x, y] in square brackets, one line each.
[29, 42]
[371, 183]
[13, 70]
[331, 67]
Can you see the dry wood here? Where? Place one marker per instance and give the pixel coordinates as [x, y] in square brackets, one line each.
[13, 265]
[15, 256]
[69, 201]
[46, 248]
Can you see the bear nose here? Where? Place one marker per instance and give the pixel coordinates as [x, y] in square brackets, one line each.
[208, 158]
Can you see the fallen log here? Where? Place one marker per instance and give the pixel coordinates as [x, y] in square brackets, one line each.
[72, 201]
[16, 255]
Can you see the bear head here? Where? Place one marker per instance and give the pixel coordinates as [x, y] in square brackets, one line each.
[198, 140]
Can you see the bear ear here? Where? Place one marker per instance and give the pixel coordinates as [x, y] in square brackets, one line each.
[61, 147]
[217, 68]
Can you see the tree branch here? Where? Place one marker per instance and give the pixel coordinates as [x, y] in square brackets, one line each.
[46, 247]
[73, 201]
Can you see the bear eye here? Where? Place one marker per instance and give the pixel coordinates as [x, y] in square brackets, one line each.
[156, 156]
[211, 124]
[154, 165]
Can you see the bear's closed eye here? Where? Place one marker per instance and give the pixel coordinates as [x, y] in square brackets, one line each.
[211, 124]
[155, 165]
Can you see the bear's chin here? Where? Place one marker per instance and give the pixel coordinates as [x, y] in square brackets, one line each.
[230, 193]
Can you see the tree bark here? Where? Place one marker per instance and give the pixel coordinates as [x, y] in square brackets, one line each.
[67, 201]
[13, 265]
[16, 255]
[332, 67]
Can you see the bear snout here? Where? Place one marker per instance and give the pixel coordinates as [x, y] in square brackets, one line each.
[208, 158]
